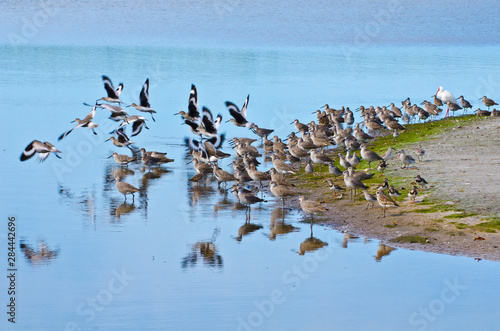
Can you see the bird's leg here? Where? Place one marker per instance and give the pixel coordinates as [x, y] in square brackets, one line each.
[384, 211]
[133, 197]
[125, 197]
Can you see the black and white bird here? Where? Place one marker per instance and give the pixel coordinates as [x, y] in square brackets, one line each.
[121, 140]
[113, 94]
[138, 122]
[239, 116]
[193, 113]
[144, 105]
[42, 148]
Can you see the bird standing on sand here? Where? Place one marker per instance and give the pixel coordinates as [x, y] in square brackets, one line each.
[281, 166]
[420, 152]
[353, 183]
[420, 181]
[412, 194]
[42, 148]
[309, 169]
[334, 187]
[464, 103]
[370, 198]
[406, 159]
[385, 201]
[388, 154]
[488, 102]
[369, 156]
[393, 193]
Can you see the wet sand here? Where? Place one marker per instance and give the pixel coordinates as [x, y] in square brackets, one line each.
[462, 166]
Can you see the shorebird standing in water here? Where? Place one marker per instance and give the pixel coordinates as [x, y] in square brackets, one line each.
[42, 148]
[281, 191]
[122, 159]
[446, 96]
[113, 94]
[311, 207]
[385, 201]
[125, 188]
[144, 105]
[464, 103]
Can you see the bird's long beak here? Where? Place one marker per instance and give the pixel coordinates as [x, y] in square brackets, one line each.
[110, 156]
[292, 122]
[227, 121]
[73, 121]
[107, 139]
[323, 106]
[128, 106]
[176, 114]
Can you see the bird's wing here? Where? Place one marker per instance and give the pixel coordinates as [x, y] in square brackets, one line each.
[193, 95]
[193, 109]
[244, 108]
[218, 121]
[137, 127]
[217, 140]
[119, 90]
[144, 96]
[65, 134]
[108, 86]
[31, 150]
[235, 112]
[122, 137]
[194, 125]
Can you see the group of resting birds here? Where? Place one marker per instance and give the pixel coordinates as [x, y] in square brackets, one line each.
[307, 144]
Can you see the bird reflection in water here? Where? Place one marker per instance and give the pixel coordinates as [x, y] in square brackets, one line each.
[206, 251]
[123, 209]
[85, 201]
[247, 228]
[311, 244]
[383, 250]
[42, 256]
[122, 172]
[278, 227]
[347, 238]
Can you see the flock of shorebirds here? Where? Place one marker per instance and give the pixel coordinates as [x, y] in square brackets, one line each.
[334, 133]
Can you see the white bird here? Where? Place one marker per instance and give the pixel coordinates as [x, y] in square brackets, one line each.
[446, 96]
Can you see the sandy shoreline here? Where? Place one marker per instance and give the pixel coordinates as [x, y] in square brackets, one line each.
[462, 166]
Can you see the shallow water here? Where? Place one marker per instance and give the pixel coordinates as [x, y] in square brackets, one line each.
[183, 256]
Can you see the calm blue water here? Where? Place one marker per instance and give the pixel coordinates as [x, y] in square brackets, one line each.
[117, 266]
